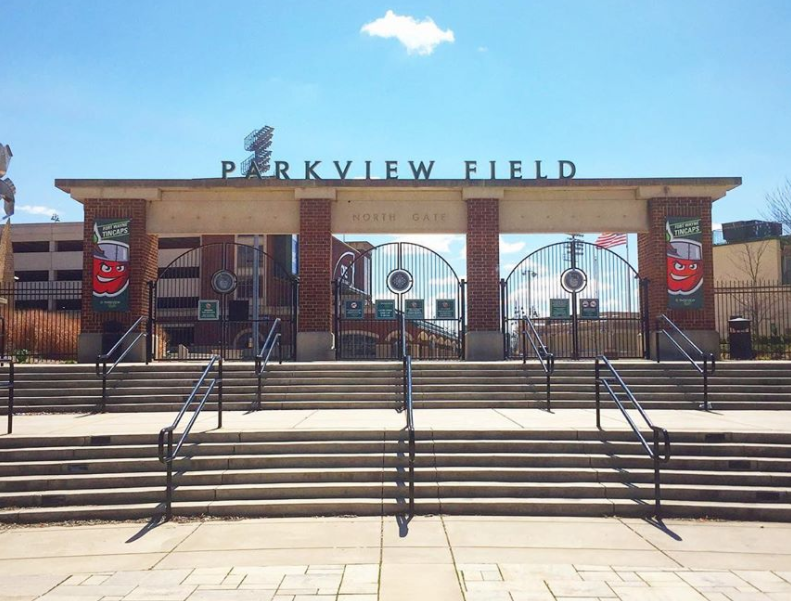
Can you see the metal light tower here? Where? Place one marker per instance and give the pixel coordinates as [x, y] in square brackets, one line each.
[258, 142]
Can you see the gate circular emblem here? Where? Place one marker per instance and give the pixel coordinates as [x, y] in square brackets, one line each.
[399, 281]
[573, 280]
[223, 281]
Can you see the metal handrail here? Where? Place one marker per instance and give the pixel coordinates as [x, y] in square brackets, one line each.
[274, 338]
[545, 358]
[651, 449]
[167, 432]
[9, 385]
[410, 426]
[103, 358]
[709, 360]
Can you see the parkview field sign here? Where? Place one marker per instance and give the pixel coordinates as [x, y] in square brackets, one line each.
[393, 170]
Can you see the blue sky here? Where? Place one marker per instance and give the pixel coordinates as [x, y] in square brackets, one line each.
[624, 89]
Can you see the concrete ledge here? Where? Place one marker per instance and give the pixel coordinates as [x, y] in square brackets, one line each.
[315, 346]
[707, 340]
[484, 346]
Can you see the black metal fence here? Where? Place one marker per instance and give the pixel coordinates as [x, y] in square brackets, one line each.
[42, 320]
[767, 305]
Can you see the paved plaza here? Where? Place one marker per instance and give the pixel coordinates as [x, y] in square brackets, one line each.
[362, 559]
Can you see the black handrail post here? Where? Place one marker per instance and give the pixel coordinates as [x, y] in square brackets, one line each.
[705, 383]
[219, 397]
[169, 494]
[656, 335]
[657, 489]
[104, 386]
[412, 472]
[598, 394]
[549, 386]
[524, 342]
[10, 396]
[150, 323]
[279, 349]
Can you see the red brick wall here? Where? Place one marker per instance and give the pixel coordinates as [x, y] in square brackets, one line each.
[143, 260]
[483, 265]
[653, 265]
[315, 269]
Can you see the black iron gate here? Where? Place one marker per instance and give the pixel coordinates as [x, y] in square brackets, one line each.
[207, 301]
[398, 290]
[583, 299]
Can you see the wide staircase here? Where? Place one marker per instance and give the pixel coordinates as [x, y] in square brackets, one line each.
[458, 385]
[347, 472]
[363, 470]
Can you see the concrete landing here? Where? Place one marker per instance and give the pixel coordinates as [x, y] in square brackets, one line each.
[366, 559]
[425, 419]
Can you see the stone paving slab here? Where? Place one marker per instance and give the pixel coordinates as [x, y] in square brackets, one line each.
[385, 420]
[361, 559]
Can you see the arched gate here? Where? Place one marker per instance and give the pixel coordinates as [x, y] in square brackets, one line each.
[208, 301]
[584, 300]
[397, 290]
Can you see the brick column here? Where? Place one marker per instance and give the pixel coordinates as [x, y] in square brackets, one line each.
[142, 268]
[484, 334]
[315, 340]
[698, 324]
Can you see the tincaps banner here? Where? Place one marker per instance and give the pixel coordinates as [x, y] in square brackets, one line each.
[111, 265]
[684, 263]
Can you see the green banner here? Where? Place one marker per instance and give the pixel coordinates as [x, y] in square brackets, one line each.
[385, 309]
[446, 308]
[684, 252]
[111, 265]
[414, 308]
[353, 309]
[559, 308]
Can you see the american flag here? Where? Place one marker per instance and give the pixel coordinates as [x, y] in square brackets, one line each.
[608, 240]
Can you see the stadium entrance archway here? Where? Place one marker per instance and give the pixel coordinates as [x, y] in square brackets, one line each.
[394, 291]
[584, 301]
[206, 301]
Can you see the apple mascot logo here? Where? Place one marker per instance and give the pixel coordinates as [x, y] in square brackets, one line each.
[684, 266]
[110, 266]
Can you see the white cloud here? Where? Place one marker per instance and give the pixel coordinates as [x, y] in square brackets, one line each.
[716, 226]
[483, 49]
[418, 37]
[437, 242]
[36, 210]
[507, 248]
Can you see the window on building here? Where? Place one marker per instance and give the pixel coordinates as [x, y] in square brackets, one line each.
[173, 273]
[68, 275]
[68, 304]
[68, 245]
[32, 276]
[176, 302]
[39, 246]
[182, 242]
[41, 304]
[786, 270]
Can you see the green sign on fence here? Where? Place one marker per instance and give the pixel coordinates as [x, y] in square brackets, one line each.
[353, 309]
[559, 308]
[589, 308]
[385, 309]
[414, 308]
[208, 310]
[446, 308]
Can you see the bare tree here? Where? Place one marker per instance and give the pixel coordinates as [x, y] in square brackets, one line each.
[756, 302]
[778, 206]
